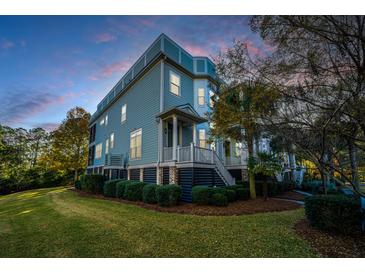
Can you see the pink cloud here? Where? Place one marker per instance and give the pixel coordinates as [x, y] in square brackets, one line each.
[109, 70]
[253, 49]
[195, 50]
[6, 44]
[105, 37]
[20, 105]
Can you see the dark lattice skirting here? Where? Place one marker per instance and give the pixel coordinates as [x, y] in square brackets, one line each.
[149, 175]
[134, 173]
[189, 177]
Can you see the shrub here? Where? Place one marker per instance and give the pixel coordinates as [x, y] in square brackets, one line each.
[242, 193]
[231, 195]
[149, 194]
[168, 195]
[202, 195]
[334, 212]
[78, 185]
[52, 178]
[219, 199]
[133, 191]
[93, 183]
[110, 188]
[120, 188]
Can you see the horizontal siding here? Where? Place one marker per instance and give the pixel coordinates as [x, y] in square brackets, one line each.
[186, 89]
[143, 104]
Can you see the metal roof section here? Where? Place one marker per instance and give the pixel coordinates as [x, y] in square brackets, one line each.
[186, 111]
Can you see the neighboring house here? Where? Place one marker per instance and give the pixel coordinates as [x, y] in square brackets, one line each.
[153, 126]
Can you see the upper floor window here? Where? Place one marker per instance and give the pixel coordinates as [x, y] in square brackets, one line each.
[202, 138]
[106, 119]
[174, 83]
[124, 113]
[211, 95]
[102, 121]
[92, 134]
[201, 96]
[112, 140]
[106, 146]
[98, 150]
[136, 144]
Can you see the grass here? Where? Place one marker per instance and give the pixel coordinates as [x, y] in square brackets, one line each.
[56, 222]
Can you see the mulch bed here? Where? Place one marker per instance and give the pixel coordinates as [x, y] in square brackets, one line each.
[291, 195]
[332, 245]
[235, 208]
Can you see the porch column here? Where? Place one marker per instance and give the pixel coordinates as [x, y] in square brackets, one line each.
[194, 134]
[174, 137]
[160, 141]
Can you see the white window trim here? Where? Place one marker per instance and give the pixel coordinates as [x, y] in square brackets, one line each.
[199, 96]
[205, 137]
[121, 114]
[106, 146]
[98, 155]
[106, 120]
[112, 140]
[130, 148]
[170, 83]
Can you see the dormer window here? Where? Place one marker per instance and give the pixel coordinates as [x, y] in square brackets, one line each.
[174, 83]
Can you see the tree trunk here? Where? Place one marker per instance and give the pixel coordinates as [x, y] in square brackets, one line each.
[249, 164]
[265, 189]
[353, 164]
[76, 175]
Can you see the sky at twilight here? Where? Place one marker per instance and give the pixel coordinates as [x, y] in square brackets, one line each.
[49, 64]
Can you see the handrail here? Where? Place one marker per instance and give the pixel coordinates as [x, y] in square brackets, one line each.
[222, 170]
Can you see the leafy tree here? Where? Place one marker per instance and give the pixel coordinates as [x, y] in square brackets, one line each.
[69, 144]
[244, 100]
[318, 64]
[267, 165]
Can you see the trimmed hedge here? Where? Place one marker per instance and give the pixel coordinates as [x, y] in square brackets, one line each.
[78, 185]
[93, 183]
[242, 193]
[334, 213]
[219, 199]
[149, 194]
[231, 195]
[168, 195]
[110, 188]
[120, 189]
[202, 195]
[133, 191]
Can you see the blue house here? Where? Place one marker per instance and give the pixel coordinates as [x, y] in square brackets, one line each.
[154, 126]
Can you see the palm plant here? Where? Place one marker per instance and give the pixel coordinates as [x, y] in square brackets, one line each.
[267, 165]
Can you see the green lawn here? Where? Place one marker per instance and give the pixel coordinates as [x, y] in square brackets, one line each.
[57, 222]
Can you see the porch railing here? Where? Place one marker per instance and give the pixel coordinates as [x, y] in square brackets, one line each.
[167, 153]
[196, 154]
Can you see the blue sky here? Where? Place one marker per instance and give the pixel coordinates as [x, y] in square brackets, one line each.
[50, 64]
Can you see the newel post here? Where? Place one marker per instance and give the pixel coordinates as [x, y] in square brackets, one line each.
[192, 154]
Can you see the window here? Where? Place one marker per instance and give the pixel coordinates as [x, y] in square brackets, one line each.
[174, 83]
[202, 141]
[124, 113]
[112, 140]
[201, 96]
[102, 122]
[98, 150]
[106, 146]
[106, 120]
[211, 95]
[136, 144]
